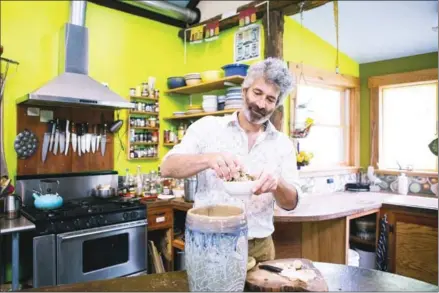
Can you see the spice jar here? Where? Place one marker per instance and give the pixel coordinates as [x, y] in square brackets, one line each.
[166, 136]
[157, 107]
[180, 132]
[155, 136]
[152, 122]
[138, 91]
[132, 92]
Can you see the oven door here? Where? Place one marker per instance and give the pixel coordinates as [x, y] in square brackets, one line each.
[101, 253]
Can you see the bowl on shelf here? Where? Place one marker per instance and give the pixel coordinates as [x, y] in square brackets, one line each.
[211, 75]
[176, 82]
[235, 69]
[240, 189]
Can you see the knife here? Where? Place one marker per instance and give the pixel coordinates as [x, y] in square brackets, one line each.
[62, 137]
[55, 146]
[79, 130]
[74, 138]
[52, 136]
[87, 138]
[98, 137]
[103, 139]
[67, 137]
[83, 146]
[46, 140]
[271, 268]
[93, 139]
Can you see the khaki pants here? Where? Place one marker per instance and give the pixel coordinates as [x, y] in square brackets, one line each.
[261, 249]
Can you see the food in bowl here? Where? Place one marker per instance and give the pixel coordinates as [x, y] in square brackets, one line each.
[211, 75]
[241, 186]
[242, 176]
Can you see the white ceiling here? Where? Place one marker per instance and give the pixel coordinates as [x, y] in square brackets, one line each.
[371, 31]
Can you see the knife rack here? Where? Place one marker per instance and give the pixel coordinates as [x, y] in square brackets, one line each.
[71, 163]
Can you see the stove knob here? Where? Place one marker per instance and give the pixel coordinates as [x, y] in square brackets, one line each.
[125, 216]
[93, 221]
[134, 215]
[77, 223]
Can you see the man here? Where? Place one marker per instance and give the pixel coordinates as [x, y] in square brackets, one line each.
[216, 148]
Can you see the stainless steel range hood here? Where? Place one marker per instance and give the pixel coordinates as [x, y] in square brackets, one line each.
[74, 87]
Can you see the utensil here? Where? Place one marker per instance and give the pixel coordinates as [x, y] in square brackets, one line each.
[62, 137]
[270, 268]
[52, 136]
[79, 133]
[46, 141]
[5, 187]
[74, 137]
[12, 206]
[103, 139]
[56, 142]
[93, 139]
[116, 126]
[98, 137]
[87, 138]
[190, 188]
[67, 137]
[25, 144]
[83, 139]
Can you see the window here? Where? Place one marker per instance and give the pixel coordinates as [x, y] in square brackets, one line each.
[407, 124]
[329, 136]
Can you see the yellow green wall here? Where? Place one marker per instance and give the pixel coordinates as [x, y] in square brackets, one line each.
[399, 65]
[123, 51]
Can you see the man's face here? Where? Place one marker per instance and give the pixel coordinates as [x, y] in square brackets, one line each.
[260, 101]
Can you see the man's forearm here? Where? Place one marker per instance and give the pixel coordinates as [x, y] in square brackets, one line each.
[183, 166]
[286, 195]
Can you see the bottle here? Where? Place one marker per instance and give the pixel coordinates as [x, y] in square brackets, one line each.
[331, 185]
[403, 184]
[139, 182]
[180, 132]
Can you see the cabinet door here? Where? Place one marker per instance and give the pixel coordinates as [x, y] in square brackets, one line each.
[414, 246]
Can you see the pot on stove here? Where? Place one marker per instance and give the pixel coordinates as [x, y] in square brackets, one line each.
[47, 198]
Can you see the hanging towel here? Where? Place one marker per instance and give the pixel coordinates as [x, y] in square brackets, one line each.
[381, 251]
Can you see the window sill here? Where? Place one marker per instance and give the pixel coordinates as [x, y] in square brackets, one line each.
[310, 172]
[408, 173]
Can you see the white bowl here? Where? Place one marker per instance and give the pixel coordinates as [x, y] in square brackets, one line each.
[178, 192]
[242, 189]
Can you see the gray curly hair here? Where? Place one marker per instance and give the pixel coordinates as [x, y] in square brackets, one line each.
[274, 71]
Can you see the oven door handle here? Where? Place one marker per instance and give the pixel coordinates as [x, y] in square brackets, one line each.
[76, 234]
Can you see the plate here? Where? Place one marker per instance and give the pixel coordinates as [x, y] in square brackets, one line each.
[165, 197]
[178, 113]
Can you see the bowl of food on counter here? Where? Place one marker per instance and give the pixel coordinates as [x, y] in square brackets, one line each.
[241, 186]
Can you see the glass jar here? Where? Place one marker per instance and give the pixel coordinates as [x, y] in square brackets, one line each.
[155, 136]
[132, 92]
[157, 107]
[152, 122]
[138, 91]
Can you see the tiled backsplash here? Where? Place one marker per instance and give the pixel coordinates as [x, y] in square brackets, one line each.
[426, 186]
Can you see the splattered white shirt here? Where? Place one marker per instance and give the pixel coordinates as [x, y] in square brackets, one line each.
[273, 151]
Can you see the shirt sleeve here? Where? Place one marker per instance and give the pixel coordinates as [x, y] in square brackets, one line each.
[190, 144]
[289, 172]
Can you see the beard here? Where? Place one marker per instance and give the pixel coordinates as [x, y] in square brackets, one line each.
[254, 114]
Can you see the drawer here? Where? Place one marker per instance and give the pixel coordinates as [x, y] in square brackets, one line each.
[159, 218]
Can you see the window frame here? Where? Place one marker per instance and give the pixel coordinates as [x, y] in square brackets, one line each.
[350, 85]
[376, 85]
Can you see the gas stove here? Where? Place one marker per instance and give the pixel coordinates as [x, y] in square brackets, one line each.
[84, 213]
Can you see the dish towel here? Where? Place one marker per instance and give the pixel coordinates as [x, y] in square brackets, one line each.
[381, 252]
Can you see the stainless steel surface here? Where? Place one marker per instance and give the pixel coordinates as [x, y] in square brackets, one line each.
[77, 12]
[44, 261]
[190, 188]
[70, 257]
[105, 229]
[16, 225]
[69, 187]
[3, 166]
[165, 8]
[104, 193]
[73, 86]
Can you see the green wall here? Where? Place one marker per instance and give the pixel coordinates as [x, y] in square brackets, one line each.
[123, 51]
[399, 65]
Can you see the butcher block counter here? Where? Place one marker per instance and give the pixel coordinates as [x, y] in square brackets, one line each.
[339, 278]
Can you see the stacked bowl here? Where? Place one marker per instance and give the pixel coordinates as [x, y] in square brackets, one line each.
[192, 78]
[233, 98]
[210, 103]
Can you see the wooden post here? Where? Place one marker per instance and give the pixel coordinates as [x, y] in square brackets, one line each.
[273, 35]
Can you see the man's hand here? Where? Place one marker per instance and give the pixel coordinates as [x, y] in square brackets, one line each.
[266, 183]
[225, 165]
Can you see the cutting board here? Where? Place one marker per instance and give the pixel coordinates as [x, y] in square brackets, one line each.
[259, 280]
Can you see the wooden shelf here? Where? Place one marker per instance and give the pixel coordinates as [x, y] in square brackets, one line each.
[179, 244]
[207, 86]
[144, 113]
[144, 98]
[144, 128]
[169, 144]
[357, 239]
[144, 143]
[202, 114]
[144, 158]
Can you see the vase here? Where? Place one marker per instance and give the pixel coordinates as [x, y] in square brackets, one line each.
[216, 248]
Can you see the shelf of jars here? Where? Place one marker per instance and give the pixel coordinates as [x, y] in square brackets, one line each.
[173, 136]
[143, 123]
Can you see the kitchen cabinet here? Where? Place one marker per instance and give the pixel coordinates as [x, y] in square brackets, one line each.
[412, 243]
